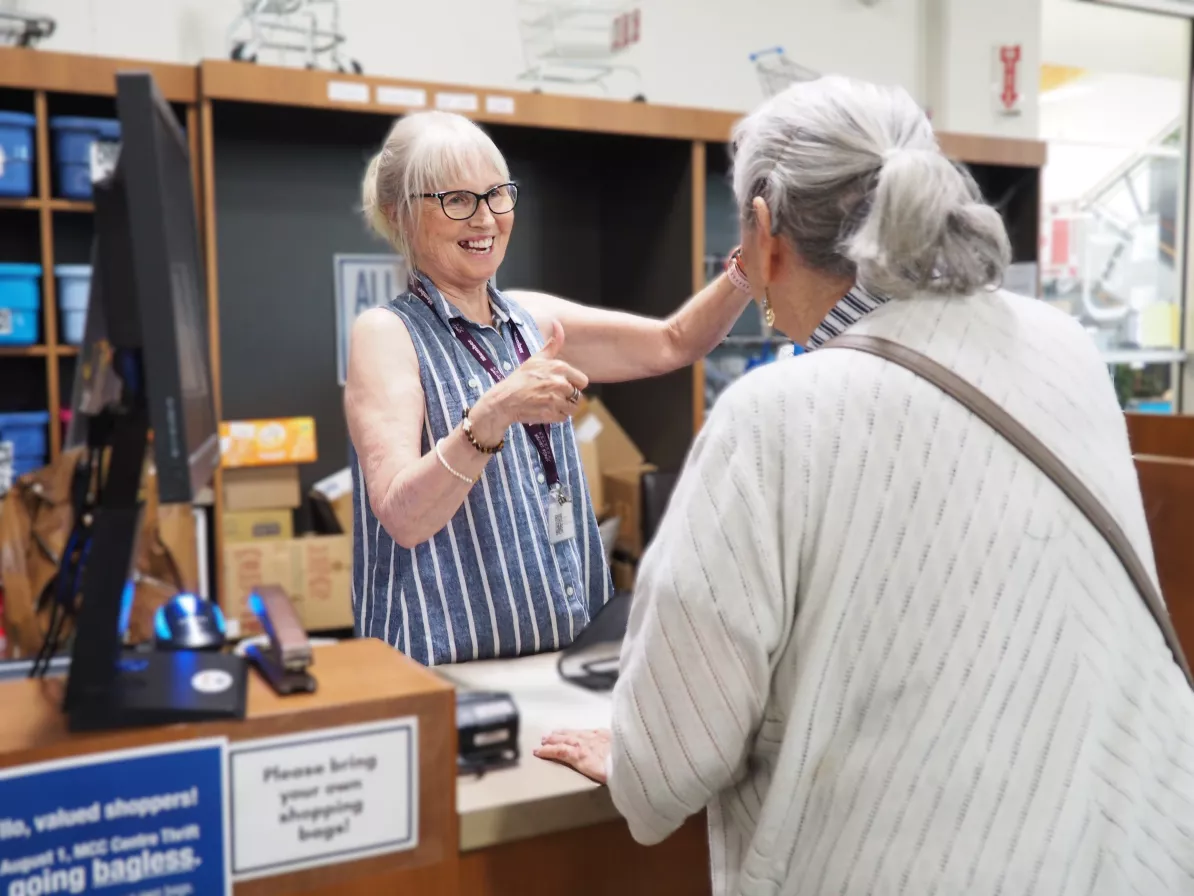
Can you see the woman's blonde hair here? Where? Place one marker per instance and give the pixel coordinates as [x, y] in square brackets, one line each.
[425, 152]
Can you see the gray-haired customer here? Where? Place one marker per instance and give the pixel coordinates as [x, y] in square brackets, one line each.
[474, 534]
[871, 637]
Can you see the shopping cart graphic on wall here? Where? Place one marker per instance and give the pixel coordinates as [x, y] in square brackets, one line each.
[777, 72]
[308, 27]
[579, 42]
[17, 30]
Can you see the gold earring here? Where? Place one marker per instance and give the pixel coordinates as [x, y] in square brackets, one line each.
[768, 311]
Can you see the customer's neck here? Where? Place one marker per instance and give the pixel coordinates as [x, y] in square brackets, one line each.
[472, 302]
[817, 296]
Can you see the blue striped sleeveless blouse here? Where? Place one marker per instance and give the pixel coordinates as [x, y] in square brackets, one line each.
[490, 583]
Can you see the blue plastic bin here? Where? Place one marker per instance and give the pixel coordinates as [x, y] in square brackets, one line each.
[27, 432]
[72, 151]
[23, 465]
[16, 154]
[74, 289]
[20, 303]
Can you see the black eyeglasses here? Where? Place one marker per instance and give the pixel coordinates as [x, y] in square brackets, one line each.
[460, 205]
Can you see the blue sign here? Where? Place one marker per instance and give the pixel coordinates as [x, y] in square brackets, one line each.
[150, 822]
[362, 282]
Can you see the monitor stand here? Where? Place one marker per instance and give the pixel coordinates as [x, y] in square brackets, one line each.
[161, 687]
[109, 687]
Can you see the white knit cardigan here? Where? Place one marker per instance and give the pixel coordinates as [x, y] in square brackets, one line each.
[887, 654]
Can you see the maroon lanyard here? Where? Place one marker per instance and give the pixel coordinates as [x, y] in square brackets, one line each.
[538, 433]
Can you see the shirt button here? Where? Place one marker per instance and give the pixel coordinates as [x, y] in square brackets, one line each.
[541, 478]
[569, 591]
[507, 365]
[473, 384]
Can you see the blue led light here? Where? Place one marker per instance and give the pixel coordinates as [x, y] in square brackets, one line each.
[160, 628]
[256, 605]
[126, 607]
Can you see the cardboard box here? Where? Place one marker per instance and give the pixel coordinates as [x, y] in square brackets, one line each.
[331, 499]
[590, 462]
[315, 572]
[258, 525]
[621, 467]
[264, 443]
[262, 488]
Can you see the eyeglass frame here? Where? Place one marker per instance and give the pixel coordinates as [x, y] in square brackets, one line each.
[477, 197]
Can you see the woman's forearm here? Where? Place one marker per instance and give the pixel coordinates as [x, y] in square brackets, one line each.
[702, 322]
[615, 346]
[423, 498]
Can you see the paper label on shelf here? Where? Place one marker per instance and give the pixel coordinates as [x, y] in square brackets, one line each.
[411, 97]
[499, 105]
[5, 321]
[104, 155]
[324, 797]
[348, 92]
[588, 429]
[149, 820]
[456, 102]
[6, 456]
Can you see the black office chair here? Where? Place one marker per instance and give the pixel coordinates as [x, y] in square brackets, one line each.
[591, 661]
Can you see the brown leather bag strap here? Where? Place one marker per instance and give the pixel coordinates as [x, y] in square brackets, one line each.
[1035, 450]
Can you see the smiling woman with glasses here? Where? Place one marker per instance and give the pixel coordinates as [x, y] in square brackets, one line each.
[474, 533]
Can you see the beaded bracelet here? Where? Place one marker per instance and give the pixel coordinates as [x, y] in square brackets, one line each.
[439, 452]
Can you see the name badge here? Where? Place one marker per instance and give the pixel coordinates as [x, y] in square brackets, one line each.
[561, 524]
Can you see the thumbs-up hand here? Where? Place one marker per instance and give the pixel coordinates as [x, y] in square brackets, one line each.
[542, 390]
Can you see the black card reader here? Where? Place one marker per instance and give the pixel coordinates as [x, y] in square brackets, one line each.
[487, 726]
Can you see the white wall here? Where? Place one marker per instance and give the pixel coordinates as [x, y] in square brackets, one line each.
[1105, 38]
[970, 78]
[694, 52]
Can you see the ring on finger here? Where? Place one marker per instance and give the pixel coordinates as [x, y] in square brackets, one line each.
[575, 396]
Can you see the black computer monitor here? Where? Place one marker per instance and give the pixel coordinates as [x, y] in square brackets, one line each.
[155, 169]
[144, 365]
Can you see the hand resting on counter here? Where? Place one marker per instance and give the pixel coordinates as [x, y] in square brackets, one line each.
[585, 751]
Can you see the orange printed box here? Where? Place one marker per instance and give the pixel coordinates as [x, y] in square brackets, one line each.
[266, 443]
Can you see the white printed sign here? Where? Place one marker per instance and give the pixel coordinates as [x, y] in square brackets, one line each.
[413, 97]
[324, 797]
[362, 282]
[348, 92]
[499, 105]
[456, 102]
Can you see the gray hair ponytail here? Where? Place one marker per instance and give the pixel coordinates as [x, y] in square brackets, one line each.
[854, 179]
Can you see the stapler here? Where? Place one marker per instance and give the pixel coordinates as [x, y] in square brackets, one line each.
[284, 661]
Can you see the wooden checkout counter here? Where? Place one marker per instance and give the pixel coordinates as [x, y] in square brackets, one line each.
[536, 828]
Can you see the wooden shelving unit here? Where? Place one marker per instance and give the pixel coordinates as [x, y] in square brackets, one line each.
[258, 136]
[49, 84]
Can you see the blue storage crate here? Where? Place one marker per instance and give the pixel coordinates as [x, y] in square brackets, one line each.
[20, 303]
[28, 433]
[23, 465]
[74, 291]
[16, 153]
[73, 137]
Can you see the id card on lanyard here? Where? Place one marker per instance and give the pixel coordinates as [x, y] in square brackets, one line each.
[561, 524]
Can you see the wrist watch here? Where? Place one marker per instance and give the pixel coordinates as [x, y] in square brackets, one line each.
[735, 272]
[467, 425]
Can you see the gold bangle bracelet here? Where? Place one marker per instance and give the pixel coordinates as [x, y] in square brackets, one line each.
[439, 452]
